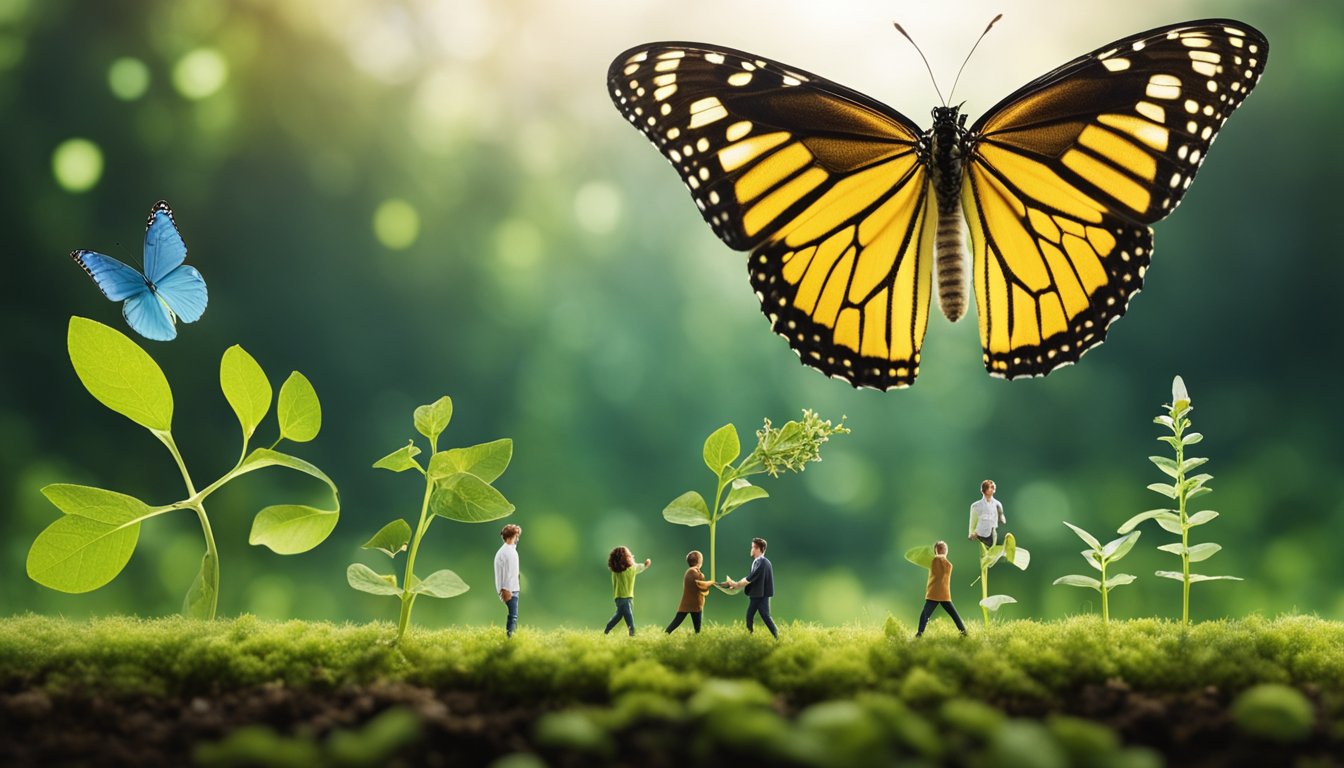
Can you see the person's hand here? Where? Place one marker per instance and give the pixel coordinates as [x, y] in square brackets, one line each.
[970, 537]
[505, 595]
[647, 562]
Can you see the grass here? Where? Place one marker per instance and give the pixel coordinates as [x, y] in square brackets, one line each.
[816, 690]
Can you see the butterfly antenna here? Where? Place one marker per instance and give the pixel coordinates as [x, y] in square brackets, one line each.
[907, 36]
[992, 22]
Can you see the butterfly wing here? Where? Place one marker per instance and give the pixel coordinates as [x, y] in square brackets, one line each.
[164, 249]
[825, 186]
[1067, 173]
[183, 290]
[116, 280]
[149, 316]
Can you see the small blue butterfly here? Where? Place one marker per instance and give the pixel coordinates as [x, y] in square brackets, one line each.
[168, 291]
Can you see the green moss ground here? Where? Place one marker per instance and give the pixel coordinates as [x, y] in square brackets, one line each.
[815, 697]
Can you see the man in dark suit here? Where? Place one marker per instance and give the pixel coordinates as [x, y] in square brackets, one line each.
[760, 584]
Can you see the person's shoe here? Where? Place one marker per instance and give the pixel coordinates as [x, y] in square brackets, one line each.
[921, 634]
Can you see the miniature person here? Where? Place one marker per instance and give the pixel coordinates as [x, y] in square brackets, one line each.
[986, 515]
[939, 591]
[506, 574]
[760, 584]
[693, 591]
[624, 569]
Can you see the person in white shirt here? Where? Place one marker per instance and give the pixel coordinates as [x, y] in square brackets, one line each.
[506, 574]
[986, 515]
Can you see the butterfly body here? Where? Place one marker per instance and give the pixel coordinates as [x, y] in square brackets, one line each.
[169, 290]
[847, 206]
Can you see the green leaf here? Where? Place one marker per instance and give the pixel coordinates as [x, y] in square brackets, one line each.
[1196, 493]
[88, 545]
[1010, 547]
[1197, 481]
[1169, 523]
[119, 374]
[288, 529]
[401, 459]
[391, 539]
[1166, 422]
[687, 509]
[722, 448]
[1174, 575]
[741, 494]
[443, 583]
[202, 597]
[1179, 396]
[432, 419]
[1151, 514]
[1119, 580]
[994, 602]
[1200, 518]
[486, 461]
[1191, 438]
[1021, 558]
[468, 499]
[1166, 465]
[1093, 558]
[1174, 442]
[1087, 538]
[365, 579]
[298, 409]
[1191, 463]
[245, 387]
[921, 555]
[1176, 548]
[1196, 577]
[1203, 551]
[1164, 489]
[1118, 548]
[1078, 581]
[991, 555]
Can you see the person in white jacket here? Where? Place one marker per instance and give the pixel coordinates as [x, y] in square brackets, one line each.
[506, 574]
[986, 515]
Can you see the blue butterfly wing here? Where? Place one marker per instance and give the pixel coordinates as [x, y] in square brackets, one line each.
[149, 316]
[164, 249]
[116, 280]
[183, 290]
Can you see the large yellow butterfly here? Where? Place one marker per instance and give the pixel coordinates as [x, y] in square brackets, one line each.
[831, 191]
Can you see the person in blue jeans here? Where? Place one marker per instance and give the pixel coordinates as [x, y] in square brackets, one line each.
[760, 585]
[624, 569]
[506, 574]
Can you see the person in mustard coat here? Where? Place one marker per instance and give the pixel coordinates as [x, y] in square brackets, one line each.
[693, 591]
[939, 591]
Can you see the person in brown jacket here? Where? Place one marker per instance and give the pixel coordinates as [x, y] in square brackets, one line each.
[693, 591]
[939, 591]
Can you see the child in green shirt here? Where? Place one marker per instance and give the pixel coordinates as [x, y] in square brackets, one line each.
[624, 569]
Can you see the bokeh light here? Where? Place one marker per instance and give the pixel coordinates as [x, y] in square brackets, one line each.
[396, 224]
[128, 78]
[200, 73]
[597, 205]
[77, 165]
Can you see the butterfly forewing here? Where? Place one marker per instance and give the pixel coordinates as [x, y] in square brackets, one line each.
[164, 249]
[1068, 171]
[824, 185]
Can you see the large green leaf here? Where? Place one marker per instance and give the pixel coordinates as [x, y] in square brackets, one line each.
[298, 410]
[119, 374]
[1176, 548]
[288, 529]
[486, 461]
[1151, 514]
[741, 493]
[203, 595]
[245, 387]
[1165, 464]
[443, 583]
[722, 448]
[391, 539]
[88, 545]
[1163, 488]
[468, 499]
[401, 459]
[922, 555]
[1169, 523]
[1087, 538]
[1119, 580]
[687, 509]
[1010, 547]
[1078, 581]
[1118, 548]
[1203, 551]
[1191, 463]
[994, 602]
[1174, 575]
[365, 579]
[1200, 518]
[432, 419]
[1190, 438]
[1021, 558]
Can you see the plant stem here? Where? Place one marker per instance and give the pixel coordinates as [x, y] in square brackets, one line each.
[1185, 529]
[1105, 609]
[407, 597]
[984, 584]
[166, 438]
[713, 519]
[711, 552]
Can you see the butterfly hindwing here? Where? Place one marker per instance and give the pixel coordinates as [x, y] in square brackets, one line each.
[164, 249]
[149, 316]
[183, 290]
[825, 187]
[116, 280]
[1068, 172]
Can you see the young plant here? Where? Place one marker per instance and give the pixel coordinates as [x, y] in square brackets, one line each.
[1100, 557]
[457, 487]
[989, 556]
[93, 540]
[789, 448]
[1182, 490]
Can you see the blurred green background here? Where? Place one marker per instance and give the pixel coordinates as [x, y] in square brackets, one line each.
[403, 199]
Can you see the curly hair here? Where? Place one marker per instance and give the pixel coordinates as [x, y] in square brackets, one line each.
[694, 558]
[619, 559]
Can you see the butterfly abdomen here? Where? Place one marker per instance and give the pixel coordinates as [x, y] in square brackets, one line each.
[945, 170]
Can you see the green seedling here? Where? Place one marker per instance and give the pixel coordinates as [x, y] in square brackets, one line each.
[989, 557]
[1182, 490]
[457, 487]
[93, 540]
[1100, 557]
[788, 448]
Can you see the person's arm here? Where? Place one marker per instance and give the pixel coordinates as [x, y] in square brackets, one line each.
[751, 576]
[970, 534]
[1002, 520]
[642, 567]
